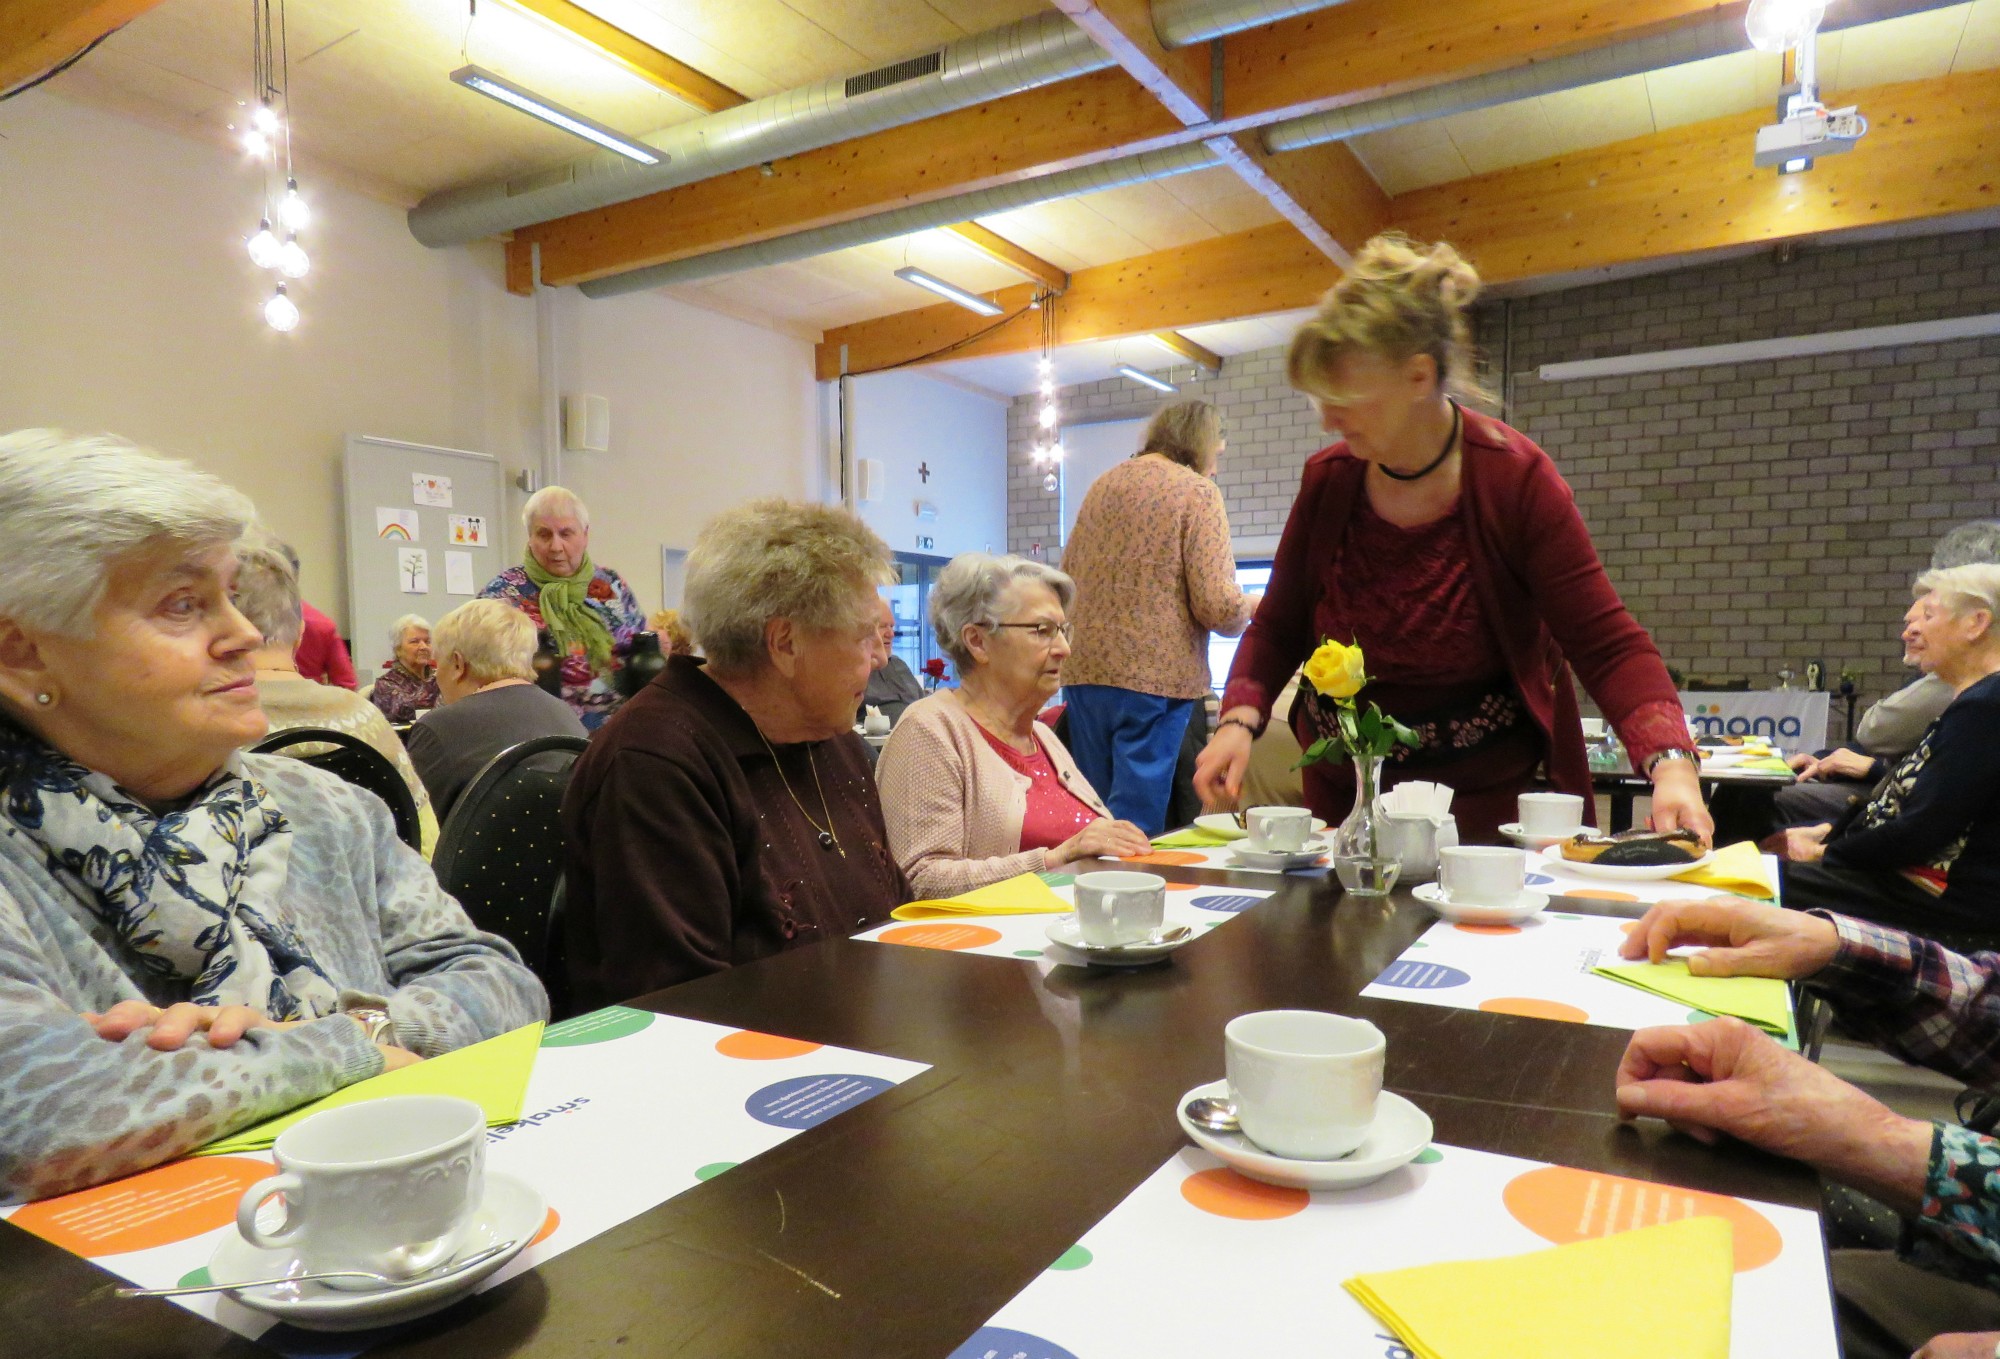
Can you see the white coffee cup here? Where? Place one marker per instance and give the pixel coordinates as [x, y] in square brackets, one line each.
[1593, 728]
[1305, 1082]
[1550, 813]
[388, 1185]
[874, 721]
[1280, 830]
[1482, 875]
[1116, 908]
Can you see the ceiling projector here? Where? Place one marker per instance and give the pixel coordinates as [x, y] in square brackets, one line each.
[1809, 133]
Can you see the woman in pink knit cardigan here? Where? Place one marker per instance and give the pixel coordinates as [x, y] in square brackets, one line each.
[974, 789]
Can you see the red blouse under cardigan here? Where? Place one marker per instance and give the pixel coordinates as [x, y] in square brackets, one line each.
[1547, 603]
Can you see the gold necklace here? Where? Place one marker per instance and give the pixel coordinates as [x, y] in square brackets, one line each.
[827, 839]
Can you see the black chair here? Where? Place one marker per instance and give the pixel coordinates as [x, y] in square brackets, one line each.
[359, 763]
[500, 852]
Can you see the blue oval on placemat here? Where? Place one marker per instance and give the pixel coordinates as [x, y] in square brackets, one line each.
[1540, 880]
[1414, 976]
[804, 1101]
[997, 1342]
[1227, 904]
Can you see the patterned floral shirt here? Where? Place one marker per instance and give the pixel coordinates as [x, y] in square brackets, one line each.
[1956, 1232]
[401, 695]
[589, 694]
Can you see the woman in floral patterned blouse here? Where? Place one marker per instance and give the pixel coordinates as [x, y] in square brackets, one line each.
[586, 610]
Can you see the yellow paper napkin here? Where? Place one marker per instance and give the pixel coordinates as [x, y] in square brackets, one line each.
[1568, 1302]
[1023, 895]
[1738, 868]
[493, 1075]
[1193, 837]
[1763, 1001]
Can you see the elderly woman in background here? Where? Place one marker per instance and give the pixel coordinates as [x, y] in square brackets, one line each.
[1154, 576]
[267, 593]
[409, 685]
[1924, 852]
[487, 698]
[1447, 546]
[673, 633]
[974, 789]
[266, 939]
[588, 611]
[728, 811]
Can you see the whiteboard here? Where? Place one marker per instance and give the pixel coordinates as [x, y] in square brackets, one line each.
[388, 517]
[1089, 451]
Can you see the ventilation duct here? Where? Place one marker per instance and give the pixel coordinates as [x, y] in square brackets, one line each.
[1181, 23]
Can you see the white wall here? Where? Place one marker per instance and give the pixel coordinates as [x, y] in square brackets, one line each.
[908, 421]
[129, 305]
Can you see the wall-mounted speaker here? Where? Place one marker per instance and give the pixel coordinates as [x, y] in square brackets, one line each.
[586, 424]
[868, 479]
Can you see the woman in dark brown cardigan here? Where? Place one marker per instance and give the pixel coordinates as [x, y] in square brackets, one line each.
[727, 811]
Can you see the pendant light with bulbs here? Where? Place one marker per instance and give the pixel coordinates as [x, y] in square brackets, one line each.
[1047, 453]
[268, 138]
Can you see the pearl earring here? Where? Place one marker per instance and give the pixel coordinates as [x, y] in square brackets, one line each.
[45, 699]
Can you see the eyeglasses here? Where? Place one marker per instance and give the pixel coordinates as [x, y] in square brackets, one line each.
[1044, 632]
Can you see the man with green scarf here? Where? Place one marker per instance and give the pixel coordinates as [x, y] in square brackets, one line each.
[585, 611]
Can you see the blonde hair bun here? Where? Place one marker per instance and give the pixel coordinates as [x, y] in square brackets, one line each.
[1398, 298]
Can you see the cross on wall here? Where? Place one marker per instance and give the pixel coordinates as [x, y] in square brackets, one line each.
[924, 471]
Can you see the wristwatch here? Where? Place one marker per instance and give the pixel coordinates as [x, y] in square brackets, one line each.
[375, 1023]
[1677, 753]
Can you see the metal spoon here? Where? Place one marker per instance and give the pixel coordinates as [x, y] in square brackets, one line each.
[1216, 1115]
[434, 1272]
[1172, 934]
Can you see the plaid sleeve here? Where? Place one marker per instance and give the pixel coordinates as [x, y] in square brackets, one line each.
[1957, 1228]
[1917, 998]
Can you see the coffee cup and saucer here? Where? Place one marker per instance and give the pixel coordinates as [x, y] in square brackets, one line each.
[1482, 885]
[1280, 838]
[1120, 921]
[1546, 819]
[395, 1187]
[1307, 1091]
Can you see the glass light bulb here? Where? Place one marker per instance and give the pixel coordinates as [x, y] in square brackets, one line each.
[292, 211]
[281, 312]
[265, 119]
[264, 247]
[1055, 452]
[1048, 387]
[1775, 25]
[1050, 482]
[1048, 415]
[292, 261]
[1045, 366]
[256, 143]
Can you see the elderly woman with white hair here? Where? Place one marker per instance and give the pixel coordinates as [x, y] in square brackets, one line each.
[974, 788]
[408, 685]
[727, 811]
[488, 699]
[192, 939]
[1923, 853]
[588, 611]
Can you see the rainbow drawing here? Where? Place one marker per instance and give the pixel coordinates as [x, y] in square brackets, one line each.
[395, 531]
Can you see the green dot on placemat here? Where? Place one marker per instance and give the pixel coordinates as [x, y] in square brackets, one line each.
[195, 1278]
[1057, 879]
[1076, 1257]
[1418, 943]
[1429, 1156]
[1558, 915]
[1699, 1016]
[714, 1168]
[1027, 953]
[599, 1026]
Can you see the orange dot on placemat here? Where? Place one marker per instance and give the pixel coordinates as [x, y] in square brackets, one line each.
[1600, 894]
[1534, 1009]
[940, 934]
[1175, 857]
[1561, 1205]
[175, 1202]
[1183, 886]
[753, 1046]
[1487, 929]
[1227, 1194]
[549, 1225]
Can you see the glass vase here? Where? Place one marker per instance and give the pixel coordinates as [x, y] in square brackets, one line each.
[1359, 859]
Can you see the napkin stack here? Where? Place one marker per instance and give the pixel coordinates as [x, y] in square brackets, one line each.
[1418, 797]
[1739, 868]
[1762, 1001]
[1025, 894]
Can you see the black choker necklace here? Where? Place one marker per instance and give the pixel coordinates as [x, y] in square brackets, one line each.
[1435, 463]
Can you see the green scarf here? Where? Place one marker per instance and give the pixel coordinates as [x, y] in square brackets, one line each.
[570, 619]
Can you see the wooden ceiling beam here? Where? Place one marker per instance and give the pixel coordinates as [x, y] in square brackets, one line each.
[642, 59]
[1351, 52]
[1324, 191]
[36, 36]
[1199, 355]
[1022, 261]
[1179, 79]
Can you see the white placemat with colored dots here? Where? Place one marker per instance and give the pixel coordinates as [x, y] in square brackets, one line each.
[734, 1093]
[1268, 1262]
[1540, 968]
[1026, 936]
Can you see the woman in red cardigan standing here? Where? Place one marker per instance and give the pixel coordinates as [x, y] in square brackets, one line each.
[1446, 545]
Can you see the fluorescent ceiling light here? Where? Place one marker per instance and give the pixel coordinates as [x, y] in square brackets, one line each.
[1157, 384]
[535, 106]
[969, 300]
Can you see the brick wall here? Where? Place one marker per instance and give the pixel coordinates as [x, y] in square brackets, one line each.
[1754, 516]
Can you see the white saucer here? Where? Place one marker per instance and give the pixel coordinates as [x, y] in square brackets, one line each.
[1621, 872]
[1398, 1136]
[1513, 831]
[1224, 825]
[510, 1211]
[1524, 907]
[1306, 856]
[1069, 934]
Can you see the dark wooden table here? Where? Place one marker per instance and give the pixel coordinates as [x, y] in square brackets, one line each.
[899, 1227]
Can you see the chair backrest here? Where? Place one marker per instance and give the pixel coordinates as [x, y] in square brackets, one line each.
[359, 763]
[500, 851]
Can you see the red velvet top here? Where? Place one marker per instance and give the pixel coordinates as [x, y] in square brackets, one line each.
[1544, 604]
[1054, 813]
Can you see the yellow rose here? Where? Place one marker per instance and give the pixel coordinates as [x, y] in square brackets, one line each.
[1336, 670]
